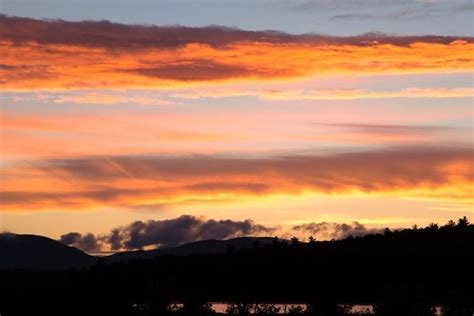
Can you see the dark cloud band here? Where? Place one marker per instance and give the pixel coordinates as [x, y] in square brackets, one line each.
[165, 233]
[122, 36]
[186, 228]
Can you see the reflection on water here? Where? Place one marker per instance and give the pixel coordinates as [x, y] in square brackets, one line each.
[359, 309]
[223, 307]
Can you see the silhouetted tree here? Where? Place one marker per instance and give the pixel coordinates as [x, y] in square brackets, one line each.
[433, 226]
[327, 307]
[463, 222]
[294, 241]
[450, 224]
[404, 271]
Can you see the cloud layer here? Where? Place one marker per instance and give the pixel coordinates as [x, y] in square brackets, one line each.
[74, 55]
[327, 231]
[444, 173]
[165, 233]
[105, 34]
[186, 228]
[324, 94]
[87, 242]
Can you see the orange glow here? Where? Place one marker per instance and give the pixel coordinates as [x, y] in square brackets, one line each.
[63, 135]
[442, 174]
[73, 67]
[105, 123]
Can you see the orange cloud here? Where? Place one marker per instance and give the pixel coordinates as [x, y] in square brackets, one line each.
[38, 136]
[444, 173]
[76, 55]
[64, 135]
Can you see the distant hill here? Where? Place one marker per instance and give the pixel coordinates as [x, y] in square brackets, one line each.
[404, 272]
[38, 252]
[204, 247]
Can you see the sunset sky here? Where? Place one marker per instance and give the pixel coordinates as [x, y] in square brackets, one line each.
[251, 117]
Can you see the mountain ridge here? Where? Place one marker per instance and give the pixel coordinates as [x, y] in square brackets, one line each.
[27, 251]
[208, 246]
[35, 252]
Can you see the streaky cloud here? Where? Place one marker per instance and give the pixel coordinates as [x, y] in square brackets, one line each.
[128, 181]
[327, 230]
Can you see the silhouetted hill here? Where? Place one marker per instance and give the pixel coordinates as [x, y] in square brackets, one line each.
[404, 272]
[38, 252]
[203, 247]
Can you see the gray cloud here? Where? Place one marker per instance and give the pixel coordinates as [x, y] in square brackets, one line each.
[165, 233]
[353, 16]
[114, 239]
[385, 10]
[401, 14]
[325, 230]
[122, 37]
[187, 228]
[87, 242]
[467, 6]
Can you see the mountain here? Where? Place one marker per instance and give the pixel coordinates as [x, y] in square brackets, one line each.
[204, 247]
[42, 253]
[38, 252]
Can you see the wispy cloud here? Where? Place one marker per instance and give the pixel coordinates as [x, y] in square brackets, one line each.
[326, 230]
[110, 98]
[324, 94]
[439, 173]
[386, 10]
[382, 129]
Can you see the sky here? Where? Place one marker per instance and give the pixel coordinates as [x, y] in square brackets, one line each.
[135, 124]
